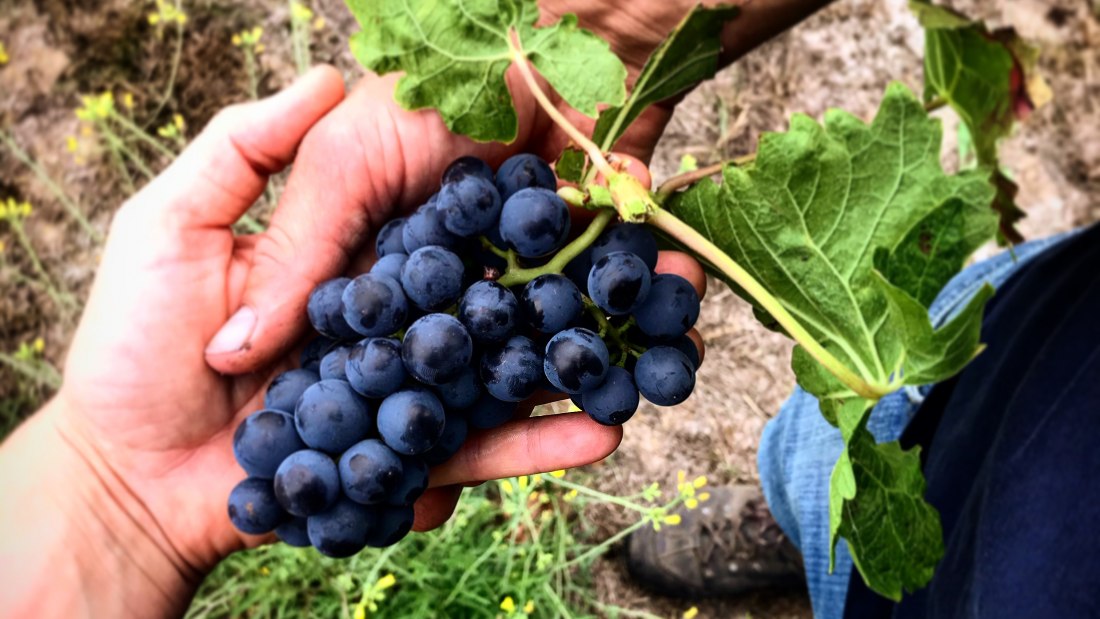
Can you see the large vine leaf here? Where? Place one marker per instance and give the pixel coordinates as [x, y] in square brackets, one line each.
[454, 54]
[990, 80]
[686, 57]
[878, 508]
[854, 228]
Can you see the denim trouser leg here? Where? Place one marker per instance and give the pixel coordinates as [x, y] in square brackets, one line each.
[799, 448]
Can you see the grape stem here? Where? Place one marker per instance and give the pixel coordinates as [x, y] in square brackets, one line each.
[616, 333]
[581, 140]
[507, 254]
[515, 277]
[636, 204]
[684, 233]
[686, 179]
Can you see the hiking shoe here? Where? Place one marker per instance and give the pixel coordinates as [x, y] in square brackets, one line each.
[728, 545]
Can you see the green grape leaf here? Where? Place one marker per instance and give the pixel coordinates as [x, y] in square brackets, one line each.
[570, 166]
[936, 248]
[454, 54]
[990, 80]
[686, 57]
[854, 228]
[877, 504]
[933, 354]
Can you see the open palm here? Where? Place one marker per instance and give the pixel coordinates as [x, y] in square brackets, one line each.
[155, 385]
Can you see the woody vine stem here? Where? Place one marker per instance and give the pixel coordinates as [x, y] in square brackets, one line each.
[636, 204]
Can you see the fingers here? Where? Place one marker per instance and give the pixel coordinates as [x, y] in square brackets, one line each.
[698, 339]
[355, 166]
[224, 171]
[435, 507]
[528, 446]
[630, 164]
[685, 266]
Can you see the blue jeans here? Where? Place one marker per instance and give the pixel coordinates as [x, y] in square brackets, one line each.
[799, 448]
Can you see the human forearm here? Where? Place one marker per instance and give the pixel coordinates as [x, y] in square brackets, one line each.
[760, 21]
[73, 541]
[634, 33]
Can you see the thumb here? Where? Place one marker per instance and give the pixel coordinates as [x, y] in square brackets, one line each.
[225, 170]
[351, 170]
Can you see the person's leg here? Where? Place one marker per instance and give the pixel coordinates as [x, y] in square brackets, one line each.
[1009, 454]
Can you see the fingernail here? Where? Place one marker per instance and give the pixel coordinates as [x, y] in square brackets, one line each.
[234, 334]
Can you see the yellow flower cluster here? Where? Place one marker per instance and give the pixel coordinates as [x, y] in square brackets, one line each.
[173, 130]
[32, 351]
[250, 39]
[10, 210]
[374, 595]
[167, 13]
[96, 107]
[302, 14]
[4, 58]
[508, 605]
[687, 490]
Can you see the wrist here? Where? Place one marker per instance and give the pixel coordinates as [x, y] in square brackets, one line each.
[74, 541]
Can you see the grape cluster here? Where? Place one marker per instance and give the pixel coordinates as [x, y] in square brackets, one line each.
[428, 346]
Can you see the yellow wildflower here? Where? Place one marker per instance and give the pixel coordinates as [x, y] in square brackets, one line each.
[508, 605]
[300, 12]
[699, 481]
[128, 100]
[4, 58]
[691, 502]
[319, 23]
[167, 13]
[12, 210]
[71, 144]
[96, 107]
[522, 482]
[558, 474]
[529, 607]
[703, 497]
[249, 38]
[691, 613]
[673, 520]
[506, 486]
[385, 582]
[39, 345]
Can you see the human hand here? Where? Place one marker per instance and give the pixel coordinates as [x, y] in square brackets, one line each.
[139, 435]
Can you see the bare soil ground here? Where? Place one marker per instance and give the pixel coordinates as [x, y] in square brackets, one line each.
[843, 57]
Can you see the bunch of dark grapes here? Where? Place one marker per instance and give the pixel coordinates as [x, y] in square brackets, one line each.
[428, 346]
